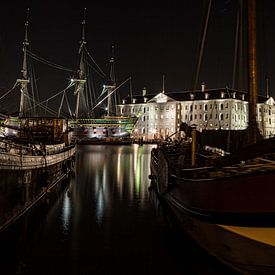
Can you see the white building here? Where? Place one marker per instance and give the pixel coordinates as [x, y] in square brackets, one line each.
[266, 117]
[160, 115]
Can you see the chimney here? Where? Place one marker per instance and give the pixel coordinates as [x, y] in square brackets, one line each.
[144, 91]
[202, 87]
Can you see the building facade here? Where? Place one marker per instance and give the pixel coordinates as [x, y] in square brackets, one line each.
[160, 115]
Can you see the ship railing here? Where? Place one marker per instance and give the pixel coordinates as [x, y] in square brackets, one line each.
[23, 162]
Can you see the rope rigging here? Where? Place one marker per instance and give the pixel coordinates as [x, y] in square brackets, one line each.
[46, 62]
[58, 93]
[202, 44]
[111, 93]
[89, 55]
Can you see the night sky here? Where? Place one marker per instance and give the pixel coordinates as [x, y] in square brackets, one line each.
[151, 39]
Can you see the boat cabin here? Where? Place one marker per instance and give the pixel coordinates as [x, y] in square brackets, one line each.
[46, 129]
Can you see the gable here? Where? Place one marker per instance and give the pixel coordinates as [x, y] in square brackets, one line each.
[161, 98]
[270, 101]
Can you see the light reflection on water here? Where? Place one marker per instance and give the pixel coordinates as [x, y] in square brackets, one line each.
[105, 223]
[66, 213]
[112, 173]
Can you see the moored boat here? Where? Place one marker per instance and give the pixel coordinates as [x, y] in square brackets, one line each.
[97, 120]
[32, 164]
[224, 201]
[37, 157]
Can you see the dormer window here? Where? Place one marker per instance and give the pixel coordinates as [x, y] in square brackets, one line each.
[243, 97]
[123, 101]
[192, 96]
[206, 95]
[145, 99]
[134, 100]
[222, 94]
[234, 95]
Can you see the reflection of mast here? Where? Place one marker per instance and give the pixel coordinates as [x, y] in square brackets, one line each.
[23, 82]
[111, 82]
[81, 105]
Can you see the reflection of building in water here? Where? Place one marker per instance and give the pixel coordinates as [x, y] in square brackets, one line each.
[111, 176]
[66, 213]
[100, 203]
[161, 115]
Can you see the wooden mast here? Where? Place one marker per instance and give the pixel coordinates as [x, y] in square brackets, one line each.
[81, 80]
[252, 70]
[111, 81]
[23, 82]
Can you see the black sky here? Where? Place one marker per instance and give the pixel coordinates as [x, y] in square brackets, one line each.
[150, 39]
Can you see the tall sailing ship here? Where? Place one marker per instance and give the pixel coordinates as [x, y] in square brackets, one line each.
[223, 200]
[87, 124]
[38, 157]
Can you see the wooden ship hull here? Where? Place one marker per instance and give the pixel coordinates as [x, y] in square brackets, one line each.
[26, 180]
[32, 164]
[111, 127]
[230, 211]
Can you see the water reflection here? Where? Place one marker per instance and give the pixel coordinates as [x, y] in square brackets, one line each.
[109, 174]
[66, 213]
[105, 223]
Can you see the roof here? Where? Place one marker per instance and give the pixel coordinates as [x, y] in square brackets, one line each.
[209, 94]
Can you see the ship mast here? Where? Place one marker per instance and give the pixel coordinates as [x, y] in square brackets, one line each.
[81, 80]
[23, 82]
[111, 82]
[252, 70]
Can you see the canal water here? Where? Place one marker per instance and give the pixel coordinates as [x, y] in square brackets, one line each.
[106, 221]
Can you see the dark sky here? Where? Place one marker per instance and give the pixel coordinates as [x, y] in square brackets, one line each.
[151, 39]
